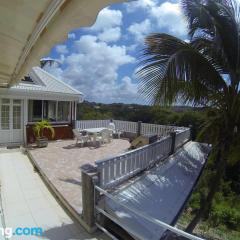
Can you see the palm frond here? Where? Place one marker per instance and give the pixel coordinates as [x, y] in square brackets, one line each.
[171, 69]
[217, 20]
[40, 126]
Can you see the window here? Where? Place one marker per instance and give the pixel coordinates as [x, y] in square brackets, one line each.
[34, 110]
[52, 110]
[63, 111]
[49, 110]
[17, 114]
[5, 114]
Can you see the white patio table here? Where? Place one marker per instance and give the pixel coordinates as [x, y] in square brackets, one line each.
[94, 132]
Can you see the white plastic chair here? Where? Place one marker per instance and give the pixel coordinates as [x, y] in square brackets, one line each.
[105, 136]
[112, 128]
[80, 137]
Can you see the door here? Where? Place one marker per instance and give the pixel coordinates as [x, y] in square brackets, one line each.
[11, 121]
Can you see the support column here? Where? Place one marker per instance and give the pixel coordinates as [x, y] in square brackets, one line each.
[74, 114]
[25, 119]
[89, 179]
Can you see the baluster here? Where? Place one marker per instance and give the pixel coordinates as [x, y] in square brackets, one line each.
[137, 161]
[133, 161]
[101, 174]
[128, 164]
[123, 165]
[106, 173]
[118, 170]
[145, 159]
[112, 169]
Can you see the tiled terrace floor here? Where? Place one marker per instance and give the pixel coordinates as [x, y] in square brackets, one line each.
[61, 162]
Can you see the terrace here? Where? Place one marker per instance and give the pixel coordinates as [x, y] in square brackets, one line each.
[63, 163]
[60, 162]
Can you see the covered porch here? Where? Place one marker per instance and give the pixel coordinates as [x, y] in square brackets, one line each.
[38, 96]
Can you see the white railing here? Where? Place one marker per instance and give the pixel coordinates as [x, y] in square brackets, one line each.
[115, 170]
[132, 127]
[182, 137]
[92, 124]
[126, 126]
[160, 130]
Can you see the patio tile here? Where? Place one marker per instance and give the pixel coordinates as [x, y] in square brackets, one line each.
[61, 162]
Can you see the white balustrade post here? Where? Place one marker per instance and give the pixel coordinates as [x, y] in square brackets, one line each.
[89, 179]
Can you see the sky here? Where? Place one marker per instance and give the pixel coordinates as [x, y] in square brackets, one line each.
[101, 60]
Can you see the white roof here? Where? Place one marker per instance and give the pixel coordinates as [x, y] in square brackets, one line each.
[29, 29]
[44, 85]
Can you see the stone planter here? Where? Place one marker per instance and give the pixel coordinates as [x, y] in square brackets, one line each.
[42, 142]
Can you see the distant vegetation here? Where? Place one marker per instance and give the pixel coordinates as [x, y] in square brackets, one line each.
[225, 214]
[180, 116]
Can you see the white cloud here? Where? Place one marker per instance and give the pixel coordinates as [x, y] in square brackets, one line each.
[126, 91]
[93, 69]
[140, 30]
[110, 35]
[61, 49]
[93, 62]
[163, 17]
[140, 4]
[169, 15]
[71, 36]
[131, 47]
[106, 19]
[127, 87]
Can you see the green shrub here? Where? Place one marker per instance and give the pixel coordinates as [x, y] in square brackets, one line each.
[225, 215]
[194, 202]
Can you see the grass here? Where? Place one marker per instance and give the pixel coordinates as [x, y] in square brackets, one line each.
[204, 230]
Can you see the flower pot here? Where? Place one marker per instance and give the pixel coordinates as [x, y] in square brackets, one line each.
[42, 142]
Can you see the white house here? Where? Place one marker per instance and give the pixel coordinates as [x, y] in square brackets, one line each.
[38, 96]
[27, 33]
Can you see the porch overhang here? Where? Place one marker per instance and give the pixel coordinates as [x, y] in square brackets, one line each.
[30, 28]
[39, 95]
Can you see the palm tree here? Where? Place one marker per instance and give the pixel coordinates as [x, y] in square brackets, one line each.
[39, 127]
[203, 72]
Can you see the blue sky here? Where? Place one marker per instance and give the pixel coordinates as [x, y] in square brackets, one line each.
[101, 60]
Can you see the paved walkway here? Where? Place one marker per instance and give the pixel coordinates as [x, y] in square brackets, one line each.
[28, 203]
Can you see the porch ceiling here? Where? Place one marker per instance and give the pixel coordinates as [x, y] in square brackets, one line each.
[30, 28]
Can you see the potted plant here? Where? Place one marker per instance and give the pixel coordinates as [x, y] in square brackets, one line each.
[38, 129]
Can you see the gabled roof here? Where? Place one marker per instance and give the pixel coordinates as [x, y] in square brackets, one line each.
[46, 84]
